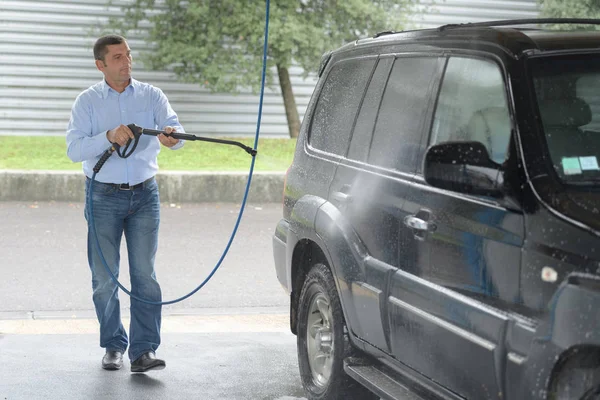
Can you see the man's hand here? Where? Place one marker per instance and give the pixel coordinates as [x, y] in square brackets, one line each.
[120, 135]
[168, 141]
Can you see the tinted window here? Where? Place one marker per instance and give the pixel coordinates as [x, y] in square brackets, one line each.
[567, 92]
[472, 106]
[338, 103]
[363, 130]
[397, 138]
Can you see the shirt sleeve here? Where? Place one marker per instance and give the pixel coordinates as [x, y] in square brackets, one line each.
[164, 115]
[82, 143]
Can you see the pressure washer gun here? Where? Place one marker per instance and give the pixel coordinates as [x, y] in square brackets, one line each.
[138, 131]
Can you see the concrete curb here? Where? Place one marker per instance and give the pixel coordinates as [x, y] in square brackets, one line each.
[175, 187]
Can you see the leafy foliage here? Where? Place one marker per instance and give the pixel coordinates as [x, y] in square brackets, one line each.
[571, 9]
[218, 43]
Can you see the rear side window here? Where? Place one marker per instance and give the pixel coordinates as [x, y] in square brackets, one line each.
[397, 140]
[472, 106]
[338, 103]
[365, 122]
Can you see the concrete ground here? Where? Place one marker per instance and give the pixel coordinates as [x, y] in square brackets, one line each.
[203, 362]
[229, 341]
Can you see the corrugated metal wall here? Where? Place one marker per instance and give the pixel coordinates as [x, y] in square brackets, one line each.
[46, 60]
[460, 11]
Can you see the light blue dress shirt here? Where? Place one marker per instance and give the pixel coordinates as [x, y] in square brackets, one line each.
[100, 109]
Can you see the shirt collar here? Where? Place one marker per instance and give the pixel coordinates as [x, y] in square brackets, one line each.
[133, 84]
[105, 87]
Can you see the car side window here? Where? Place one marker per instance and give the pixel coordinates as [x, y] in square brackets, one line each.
[397, 141]
[472, 106]
[365, 122]
[338, 104]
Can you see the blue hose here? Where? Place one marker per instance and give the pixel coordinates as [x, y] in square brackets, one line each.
[237, 223]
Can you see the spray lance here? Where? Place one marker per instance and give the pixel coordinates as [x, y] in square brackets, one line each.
[139, 131]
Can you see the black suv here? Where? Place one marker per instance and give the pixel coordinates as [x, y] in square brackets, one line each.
[441, 228]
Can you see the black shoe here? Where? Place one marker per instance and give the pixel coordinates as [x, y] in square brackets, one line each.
[112, 360]
[146, 362]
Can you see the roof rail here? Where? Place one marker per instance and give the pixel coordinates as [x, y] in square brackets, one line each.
[509, 22]
[378, 34]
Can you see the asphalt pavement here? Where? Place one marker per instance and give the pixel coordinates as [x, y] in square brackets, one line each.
[211, 366]
[44, 269]
[229, 341]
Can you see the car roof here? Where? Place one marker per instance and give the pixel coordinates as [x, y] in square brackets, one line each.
[563, 40]
[506, 34]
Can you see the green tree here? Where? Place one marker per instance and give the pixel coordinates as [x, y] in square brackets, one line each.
[571, 9]
[218, 43]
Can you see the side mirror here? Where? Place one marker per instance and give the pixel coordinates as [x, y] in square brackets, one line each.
[463, 167]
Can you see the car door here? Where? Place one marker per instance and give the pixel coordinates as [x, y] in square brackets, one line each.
[370, 184]
[449, 316]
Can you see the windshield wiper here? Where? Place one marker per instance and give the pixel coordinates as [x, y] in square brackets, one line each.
[586, 182]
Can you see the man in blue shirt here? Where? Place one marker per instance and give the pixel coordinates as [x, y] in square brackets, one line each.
[125, 197]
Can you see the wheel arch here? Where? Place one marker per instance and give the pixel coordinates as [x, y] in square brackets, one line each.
[322, 233]
[306, 253]
[581, 356]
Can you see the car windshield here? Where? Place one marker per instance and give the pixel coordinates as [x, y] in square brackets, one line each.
[567, 90]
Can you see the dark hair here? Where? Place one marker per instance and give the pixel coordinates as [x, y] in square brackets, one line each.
[100, 48]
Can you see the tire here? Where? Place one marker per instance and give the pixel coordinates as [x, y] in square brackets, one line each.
[592, 394]
[323, 341]
[579, 379]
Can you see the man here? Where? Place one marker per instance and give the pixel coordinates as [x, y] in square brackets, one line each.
[125, 198]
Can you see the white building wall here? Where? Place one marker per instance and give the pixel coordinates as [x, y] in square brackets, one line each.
[46, 60]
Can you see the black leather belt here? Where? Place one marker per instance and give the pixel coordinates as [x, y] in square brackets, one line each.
[126, 186]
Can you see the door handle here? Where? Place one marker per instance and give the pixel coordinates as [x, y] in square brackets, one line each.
[418, 224]
[342, 196]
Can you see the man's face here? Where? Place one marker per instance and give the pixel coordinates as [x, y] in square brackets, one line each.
[116, 66]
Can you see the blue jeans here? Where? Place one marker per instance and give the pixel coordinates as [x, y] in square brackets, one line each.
[137, 214]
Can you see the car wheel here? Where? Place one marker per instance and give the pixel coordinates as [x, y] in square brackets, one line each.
[580, 379]
[592, 394]
[323, 341]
